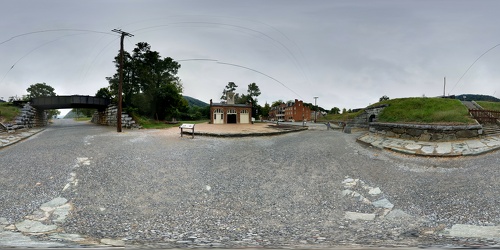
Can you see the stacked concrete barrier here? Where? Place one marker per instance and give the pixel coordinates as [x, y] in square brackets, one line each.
[109, 118]
[28, 118]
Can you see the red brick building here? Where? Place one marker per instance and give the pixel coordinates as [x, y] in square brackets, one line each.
[291, 111]
[227, 113]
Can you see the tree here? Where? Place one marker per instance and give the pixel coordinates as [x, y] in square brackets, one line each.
[277, 103]
[150, 84]
[253, 91]
[383, 98]
[230, 87]
[103, 93]
[40, 90]
[265, 110]
[335, 110]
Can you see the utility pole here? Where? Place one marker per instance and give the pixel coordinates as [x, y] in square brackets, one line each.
[120, 84]
[444, 89]
[315, 108]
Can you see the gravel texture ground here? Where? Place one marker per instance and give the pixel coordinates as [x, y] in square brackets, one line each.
[152, 188]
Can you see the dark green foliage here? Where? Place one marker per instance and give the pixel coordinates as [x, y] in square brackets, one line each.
[383, 98]
[150, 85]
[473, 97]
[334, 111]
[104, 93]
[40, 90]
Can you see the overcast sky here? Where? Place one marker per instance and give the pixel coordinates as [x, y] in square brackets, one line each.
[346, 53]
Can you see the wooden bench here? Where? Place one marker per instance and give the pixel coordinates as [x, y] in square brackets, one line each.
[187, 126]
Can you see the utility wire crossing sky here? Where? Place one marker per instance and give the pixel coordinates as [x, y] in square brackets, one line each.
[347, 53]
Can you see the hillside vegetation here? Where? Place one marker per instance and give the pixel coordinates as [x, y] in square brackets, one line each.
[425, 110]
[475, 97]
[489, 105]
[8, 112]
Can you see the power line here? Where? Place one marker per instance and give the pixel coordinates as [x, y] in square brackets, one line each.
[240, 66]
[15, 63]
[262, 74]
[473, 65]
[52, 30]
[289, 52]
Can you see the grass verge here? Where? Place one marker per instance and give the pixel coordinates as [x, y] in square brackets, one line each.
[154, 124]
[489, 105]
[8, 111]
[82, 119]
[340, 117]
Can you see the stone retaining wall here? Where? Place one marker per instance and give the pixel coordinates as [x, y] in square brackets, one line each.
[427, 132]
[109, 118]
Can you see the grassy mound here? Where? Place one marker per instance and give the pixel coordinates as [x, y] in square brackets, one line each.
[425, 110]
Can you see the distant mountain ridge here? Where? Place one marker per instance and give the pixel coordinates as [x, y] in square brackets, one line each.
[195, 102]
[474, 97]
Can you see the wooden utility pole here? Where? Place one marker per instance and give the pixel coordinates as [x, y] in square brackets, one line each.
[120, 84]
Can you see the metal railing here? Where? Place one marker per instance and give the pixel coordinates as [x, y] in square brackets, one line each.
[485, 116]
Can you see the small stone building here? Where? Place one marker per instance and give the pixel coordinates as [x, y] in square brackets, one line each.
[230, 113]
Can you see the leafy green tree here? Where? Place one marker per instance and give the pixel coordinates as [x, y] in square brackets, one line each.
[277, 103]
[150, 80]
[230, 87]
[103, 93]
[265, 110]
[253, 91]
[383, 98]
[335, 110]
[40, 90]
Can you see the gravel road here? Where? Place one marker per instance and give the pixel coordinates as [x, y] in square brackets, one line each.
[321, 188]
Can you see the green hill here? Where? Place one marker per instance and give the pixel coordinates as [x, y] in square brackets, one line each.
[472, 97]
[195, 102]
[425, 110]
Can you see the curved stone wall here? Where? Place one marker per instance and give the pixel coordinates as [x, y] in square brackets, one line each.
[427, 132]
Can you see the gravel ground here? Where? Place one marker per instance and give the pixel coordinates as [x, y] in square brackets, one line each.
[153, 188]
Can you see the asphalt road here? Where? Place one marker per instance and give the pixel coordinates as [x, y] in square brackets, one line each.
[318, 187]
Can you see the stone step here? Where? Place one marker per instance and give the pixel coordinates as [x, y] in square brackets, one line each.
[491, 130]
